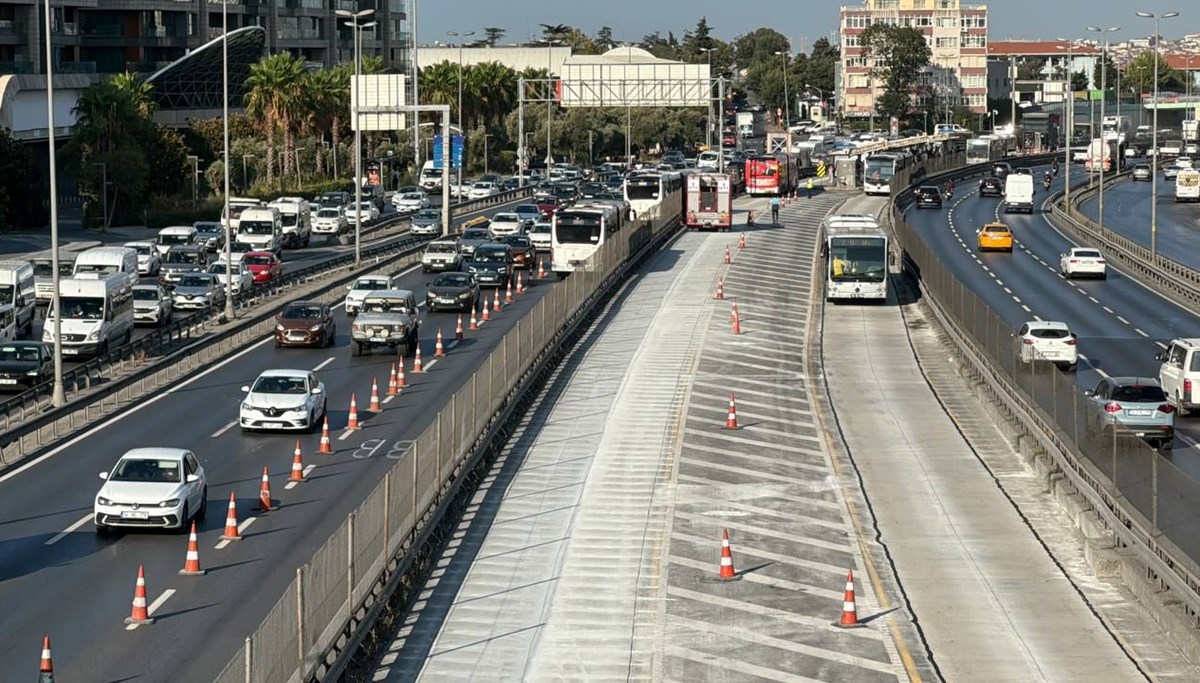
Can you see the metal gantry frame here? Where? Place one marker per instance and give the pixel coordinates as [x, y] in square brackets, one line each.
[415, 110]
[611, 93]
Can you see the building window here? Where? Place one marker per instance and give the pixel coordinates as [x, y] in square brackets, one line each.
[946, 4]
[947, 22]
[974, 41]
[850, 41]
[924, 22]
[943, 43]
[974, 21]
[887, 4]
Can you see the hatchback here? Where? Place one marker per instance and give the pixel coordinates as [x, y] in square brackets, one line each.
[929, 197]
[1049, 341]
[1131, 406]
[1142, 172]
[995, 236]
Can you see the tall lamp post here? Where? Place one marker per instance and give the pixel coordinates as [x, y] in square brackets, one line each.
[1154, 137]
[708, 136]
[59, 397]
[229, 311]
[550, 43]
[1069, 112]
[787, 113]
[1103, 98]
[356, 25]
[461, 37]
[246, 172]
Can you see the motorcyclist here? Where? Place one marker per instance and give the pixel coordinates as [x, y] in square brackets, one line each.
[1046, 180]
[949, 188]
[1054, 167]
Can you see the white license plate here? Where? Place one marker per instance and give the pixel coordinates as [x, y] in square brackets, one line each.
[377, 340]
[272, 425]
[1141, 413]
[134, 514]
[446, 301]
[68, 351]
[8, 381]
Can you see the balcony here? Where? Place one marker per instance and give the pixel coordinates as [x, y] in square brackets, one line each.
[75, 68]
[8, 27]
[16, 68]
[103, 31]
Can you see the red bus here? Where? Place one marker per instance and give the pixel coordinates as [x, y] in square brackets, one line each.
[773, 175]
[708, 201]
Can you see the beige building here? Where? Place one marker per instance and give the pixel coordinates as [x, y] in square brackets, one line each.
[515, 57]
[957, 35]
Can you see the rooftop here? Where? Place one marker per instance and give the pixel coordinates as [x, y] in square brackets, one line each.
[1038, 48]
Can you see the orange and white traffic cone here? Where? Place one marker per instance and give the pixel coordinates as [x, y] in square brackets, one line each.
[326, 445]
[373, 406]
[393, 389]
[474, 320]
[728, 257]
[541, 269]
[140, 613]
[264, 493]
[742, 242]
[520, 284]
[731, 419]
[849, 606]
[191, 564]
[750, 219]
[231, 532]
[297, 474]
[726, 572]
[417, 366]
[46, 669]
[496, 301]
[737, 320]
[486, 315]
[458, 330]
[401, 382]
[720, 289]
[352, 420]
[439, 350]
[508, 293]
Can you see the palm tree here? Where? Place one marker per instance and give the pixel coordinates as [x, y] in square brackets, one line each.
[439, 84]
[139, 90]
[493, 89]
[326, 94]
[272, 89]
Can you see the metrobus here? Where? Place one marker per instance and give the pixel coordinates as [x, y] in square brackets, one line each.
[577, 233]
[708, 202]
[646, 190]
[855, 249]
[773, 175]
[878, 170]
[983, 149]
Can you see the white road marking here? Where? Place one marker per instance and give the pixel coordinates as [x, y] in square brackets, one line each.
[430, 364]
[1037, 318]
[227, 427]
[1009, 291]
[388, 399]
[1026, 308]
[292, 484]
[1092, 366]
[1094, 300]
[1188, 440]
[1123, 321]
[346, 434]
[158, 602]
[241, 529]
[1107, 310]
[323, 363]
[69, 530]
[1139, 331]
[453, 343]
[1160, 344]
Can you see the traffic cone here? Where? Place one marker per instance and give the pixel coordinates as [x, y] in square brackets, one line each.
[47, 667]
[520, 284]
[541, 269]
[264, 493]
[496, 301]
[731, 420]
[297, 474]
[849, 607]
[728, 257]
[726, 572]
[417, 367]
[737, 320]
[486, 316]
[720, 289]
[458, 330]
[352, 422]
[140, 613]
[326, 445]
[474, 320]
[508, 293]
[393, 389]
[439, 350]
[191, 565]
[750, 219]
[401, 382]
[373, 406]
[742, 242]
[231, 524]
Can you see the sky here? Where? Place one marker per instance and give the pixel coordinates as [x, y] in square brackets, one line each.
[803, 21]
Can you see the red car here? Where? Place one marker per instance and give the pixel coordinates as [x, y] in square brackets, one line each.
[546, 203]
[265, 266]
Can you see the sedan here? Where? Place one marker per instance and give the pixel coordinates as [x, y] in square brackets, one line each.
[506, 223]
[492, 265]
[473, 238]
[482, 189]
[1170, 172]
[152, 305]
[991, 187]
[1142, 172]
[1082, 262]
[148, 260]
[410, 201]
[25, 364]
[929, 197]
[160, 488]
[524, 253]
[540, 235]
[305, 323]
[283, 400]
[1049, 341]
[528, 213]
[452, 291]
[1131, 406]
[363, 286]
[995, 237]
[211, 234]
[367, 213]
[264, 266]
[241, 276]
[198, 291]
[426, 222]
[330, 221]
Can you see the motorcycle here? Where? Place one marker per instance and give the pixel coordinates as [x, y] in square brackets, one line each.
[1046, 183]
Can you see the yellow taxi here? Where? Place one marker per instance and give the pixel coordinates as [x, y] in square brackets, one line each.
[995, 237]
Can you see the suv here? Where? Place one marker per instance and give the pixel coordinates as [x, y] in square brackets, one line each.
[1047, 340]
[507, 223]
[492, 265]
[388, 318]
[1179, 374]
[182, 259]
[991, 187]
[929, 196]
[441, 255]
[1131, 406]
[1001, 169]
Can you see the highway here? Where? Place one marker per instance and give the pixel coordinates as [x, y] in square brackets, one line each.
[1127, 211]
[58, 577]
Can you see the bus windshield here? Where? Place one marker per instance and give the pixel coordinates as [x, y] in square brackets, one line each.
[642, 190]
[577, 230]
[857, 259]
[256, 228]
[879, 170]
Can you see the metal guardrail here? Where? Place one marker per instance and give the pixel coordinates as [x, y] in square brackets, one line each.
[335, 596]
[106, 367]
[1144, 499]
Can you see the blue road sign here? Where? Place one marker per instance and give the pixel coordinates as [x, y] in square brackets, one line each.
[456, 151]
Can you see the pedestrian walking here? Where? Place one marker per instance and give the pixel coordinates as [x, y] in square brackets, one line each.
[775, 210]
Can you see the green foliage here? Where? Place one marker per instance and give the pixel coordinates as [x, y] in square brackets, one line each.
[1030, 68]
[898, 53]
[760, 45]
[1104, 73]
[164, 212]
[1079, 80]
[22, 194]
[1139, 74]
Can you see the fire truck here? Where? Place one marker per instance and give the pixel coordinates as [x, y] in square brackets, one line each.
[708, 201]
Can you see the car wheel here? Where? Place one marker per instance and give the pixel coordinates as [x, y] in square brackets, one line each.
[203, 511]
[183, 520]
[1166, 445]
[101, 530]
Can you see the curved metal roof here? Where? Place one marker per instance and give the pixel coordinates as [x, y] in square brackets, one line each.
[195, 80]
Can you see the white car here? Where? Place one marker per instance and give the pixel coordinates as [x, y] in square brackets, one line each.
[539, 234]
[410, 201]
[1182, 163]
[243, 279]
[237, 250]
[162, 488]
[330, 221]
[506, 223]
[147, 256]
[367, 210]
[1170, 172]
[152, 305]
[1082, 262]
[363, 286]
[482, 189]
[1050, 341]
[283, 400]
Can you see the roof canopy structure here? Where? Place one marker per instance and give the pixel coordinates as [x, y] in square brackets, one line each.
[1038, 48]
[195, 81]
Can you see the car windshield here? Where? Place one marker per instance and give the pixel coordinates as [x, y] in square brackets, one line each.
[1049, 333]
[328, 213]
[102, 268]
[443, 248]
[371, 285]
[82, 308]
[241, 247]
[527, 209]
[145, 294]
[365, 206]
[506, 218]
[18, 353]
[452, 280]
[219, 268]
[303, 311]
[412, 196]
[279, 384]
[853, 259]
[540, 229]
[147, 470]
[428, 214]
[491, 256]
[256, 228]
[1086, 253]
[256, 260]
[45, 268]
[996, 228]
[174, 239]
[141, 249]
[518, 241]
[385, 306]
[191, 257]
[476, 234]
[195, 281]
[1139, 393]
[289, 220]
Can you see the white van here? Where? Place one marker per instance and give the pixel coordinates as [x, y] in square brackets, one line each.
[814, 147]
[236, 206]
[116, 263]
[1018, 193]
[262, 228]
[98, 314]
[295, 215]
[17, 289]
[174, 236]
[710, 160]
[9, 330]
[431, 178]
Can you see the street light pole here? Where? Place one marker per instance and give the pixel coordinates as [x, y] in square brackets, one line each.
[1069, 111]
[1103, 99]
[229, 311]
[59, 397]
[245, 172]
[461, 131]
[787, 113]
[357, 28]
[103, 191]
[549, 100]
[486, 137]
[708, 135]
[1154, 136]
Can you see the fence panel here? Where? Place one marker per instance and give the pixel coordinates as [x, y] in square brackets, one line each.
[275, 645]
[369, 532]
[426, 464]
[325, 584]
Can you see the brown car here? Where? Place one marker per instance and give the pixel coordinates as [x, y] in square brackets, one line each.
[305, 323]
[524, 253]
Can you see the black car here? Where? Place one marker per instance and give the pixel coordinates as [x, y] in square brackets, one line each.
[492, 265]
[452, 291]
[1001, 169]
[25, 364]
[991, 187]
[929, 197]
[591, 190]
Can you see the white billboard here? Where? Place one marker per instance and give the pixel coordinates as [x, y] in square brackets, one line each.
[604, 83]
[381, 104]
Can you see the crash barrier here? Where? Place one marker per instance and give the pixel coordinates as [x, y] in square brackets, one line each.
[336, 596]
[1143, 498]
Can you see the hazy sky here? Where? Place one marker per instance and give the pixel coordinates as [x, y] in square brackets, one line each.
[800, 20]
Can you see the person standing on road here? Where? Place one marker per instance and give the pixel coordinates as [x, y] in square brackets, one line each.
[774, 210]
[809, 187]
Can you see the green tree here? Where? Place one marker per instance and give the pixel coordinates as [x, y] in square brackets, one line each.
[1105, 71]
[822, 61]
[1030, 68]
[1139, 74]
[493, 35]
[1079, 80]
[493, 91]
[604, 37]
[757, 46]
[897, 55]
[21, 193]
[272, 92]
[139, 90]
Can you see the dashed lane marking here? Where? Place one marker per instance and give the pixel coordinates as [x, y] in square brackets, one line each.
[158, 602]
[323, 364]
[230, 425]
[69, 530]
[1123, 321]
[1139, 331]
[241, 530]
[292, 484]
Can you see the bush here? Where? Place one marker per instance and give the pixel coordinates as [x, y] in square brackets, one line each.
[165, 212]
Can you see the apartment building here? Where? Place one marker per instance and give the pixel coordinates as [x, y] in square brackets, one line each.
[111, 36]
[957, 34]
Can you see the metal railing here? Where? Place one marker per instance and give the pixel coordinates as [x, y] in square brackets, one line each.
[335, 596]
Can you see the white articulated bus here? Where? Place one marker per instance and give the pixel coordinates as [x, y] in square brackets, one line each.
[646, 191]
[855, 248]
[878, 170]
[578, 232]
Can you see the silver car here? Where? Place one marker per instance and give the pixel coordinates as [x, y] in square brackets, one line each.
[198, 291]
[152, 305]
[1131, 406]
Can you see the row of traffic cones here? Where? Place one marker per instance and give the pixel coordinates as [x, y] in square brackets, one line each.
[849, 617]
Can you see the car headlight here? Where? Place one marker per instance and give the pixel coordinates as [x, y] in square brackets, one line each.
[32, 373]
[101, 500]
[502, 270]
[169, 503]
[279, 327]
[94, 335]
[315, 328]
[465, 295]
[247, 406]
[472, 269]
